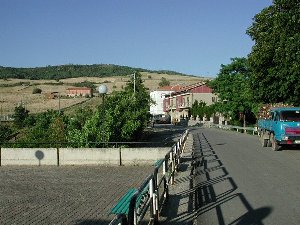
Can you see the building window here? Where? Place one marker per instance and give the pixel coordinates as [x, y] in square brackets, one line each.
[214, 99]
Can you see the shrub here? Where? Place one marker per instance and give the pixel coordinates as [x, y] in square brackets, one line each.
[36, 91]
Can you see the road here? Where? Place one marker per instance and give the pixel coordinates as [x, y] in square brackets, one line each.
[236, 181]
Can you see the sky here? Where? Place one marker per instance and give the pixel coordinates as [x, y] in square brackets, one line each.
[189, 36]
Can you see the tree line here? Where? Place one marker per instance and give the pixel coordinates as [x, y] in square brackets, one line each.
[73, 71]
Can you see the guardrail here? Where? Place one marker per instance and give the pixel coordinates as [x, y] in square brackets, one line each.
[154, 191]
[252, 130]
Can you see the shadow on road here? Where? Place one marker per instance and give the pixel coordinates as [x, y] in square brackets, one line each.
[216, 198]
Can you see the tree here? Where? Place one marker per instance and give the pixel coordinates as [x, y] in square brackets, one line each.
[5, 133]
[36, 91]
[57, 133]
[48, 130]
[275, 56]
[233, 88]
[122, 117]
[164, 82]
[20, 115]
[198, 109]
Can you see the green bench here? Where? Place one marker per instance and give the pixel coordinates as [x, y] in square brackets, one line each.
[122, 207]
[158, 162]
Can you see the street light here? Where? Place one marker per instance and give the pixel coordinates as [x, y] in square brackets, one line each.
[102, 91]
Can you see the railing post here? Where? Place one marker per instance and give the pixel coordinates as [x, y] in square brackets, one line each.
[132, 220]
[152, 200]
[172, 167]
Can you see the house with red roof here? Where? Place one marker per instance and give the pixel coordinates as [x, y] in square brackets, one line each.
[178, 103]
[79, 91]
[158, 96]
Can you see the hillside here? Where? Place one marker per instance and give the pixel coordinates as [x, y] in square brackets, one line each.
[20, 91]
[72, 71]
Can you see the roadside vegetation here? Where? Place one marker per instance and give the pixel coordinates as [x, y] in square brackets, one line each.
[270, 73]
[122, 117]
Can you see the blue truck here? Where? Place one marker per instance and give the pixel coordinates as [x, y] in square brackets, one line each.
[281, 128]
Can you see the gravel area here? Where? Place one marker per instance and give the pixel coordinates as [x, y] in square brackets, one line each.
[66, 194]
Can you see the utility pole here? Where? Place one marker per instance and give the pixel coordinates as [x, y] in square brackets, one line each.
[134, 83]
[59, 103]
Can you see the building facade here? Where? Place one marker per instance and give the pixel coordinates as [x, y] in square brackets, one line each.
[178, 104]
[79, 91]
[158, 96]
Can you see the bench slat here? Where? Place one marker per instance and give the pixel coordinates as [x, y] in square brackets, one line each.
[122, 206]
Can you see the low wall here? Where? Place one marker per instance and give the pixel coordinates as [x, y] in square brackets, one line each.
[81, 156]
[89, 156]
[137, 156]
[28, 156]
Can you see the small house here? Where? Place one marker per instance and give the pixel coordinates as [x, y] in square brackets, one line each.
[79, 91]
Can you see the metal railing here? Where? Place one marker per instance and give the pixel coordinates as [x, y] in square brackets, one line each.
[252, 130]
[149, 199]
[87, 144]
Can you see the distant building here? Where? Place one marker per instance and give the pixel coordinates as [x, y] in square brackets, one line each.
[79, 91]
[178, 104]
[51, 95]
[158, 96]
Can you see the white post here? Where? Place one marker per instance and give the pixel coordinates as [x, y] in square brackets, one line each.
[134, 83]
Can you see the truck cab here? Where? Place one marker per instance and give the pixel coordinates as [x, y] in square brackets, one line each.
[283, 127]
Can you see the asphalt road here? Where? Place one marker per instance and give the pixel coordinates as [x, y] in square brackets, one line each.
[236, 181]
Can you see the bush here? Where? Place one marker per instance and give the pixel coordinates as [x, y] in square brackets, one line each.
[164, 82]
[36, 91]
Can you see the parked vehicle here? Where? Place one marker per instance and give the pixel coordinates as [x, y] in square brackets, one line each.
[282, 127]
[161, 119]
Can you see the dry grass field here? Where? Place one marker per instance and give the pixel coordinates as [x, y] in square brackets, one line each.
[10, 97]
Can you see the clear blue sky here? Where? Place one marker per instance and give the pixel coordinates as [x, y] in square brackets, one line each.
[189, 36]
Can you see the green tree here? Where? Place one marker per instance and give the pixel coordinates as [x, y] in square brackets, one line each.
[198, 109]
[164, 82]
[20, 114]
[233, 89]
[122, 117]
[48, 130]
[275, 56]
[5, 133]
[36, 91]
[57, 133]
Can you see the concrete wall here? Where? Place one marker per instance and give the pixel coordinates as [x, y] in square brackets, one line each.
[138, 156]
[28, 156]
[89, 156]
[81, 156]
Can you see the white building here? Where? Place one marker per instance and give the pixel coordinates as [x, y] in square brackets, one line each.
[158, 98]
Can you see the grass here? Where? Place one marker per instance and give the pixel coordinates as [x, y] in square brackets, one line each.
[19, 91]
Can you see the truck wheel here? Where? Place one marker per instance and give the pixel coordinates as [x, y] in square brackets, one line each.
[264, 142]
[275, 145]
[269, 144]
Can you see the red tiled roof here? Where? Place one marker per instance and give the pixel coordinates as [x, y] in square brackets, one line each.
[79, 88]
[170, 88]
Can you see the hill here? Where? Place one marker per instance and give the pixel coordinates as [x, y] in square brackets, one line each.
[15, 91]
[73, 71]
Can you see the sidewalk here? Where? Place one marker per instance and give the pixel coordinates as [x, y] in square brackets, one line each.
[179, 208]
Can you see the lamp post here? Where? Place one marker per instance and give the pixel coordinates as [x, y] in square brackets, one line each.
[102, 91]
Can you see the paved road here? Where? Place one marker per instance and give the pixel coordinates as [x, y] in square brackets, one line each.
[236, 181]
[64, 195]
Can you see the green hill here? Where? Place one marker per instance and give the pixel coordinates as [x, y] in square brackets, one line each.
[72, 71]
